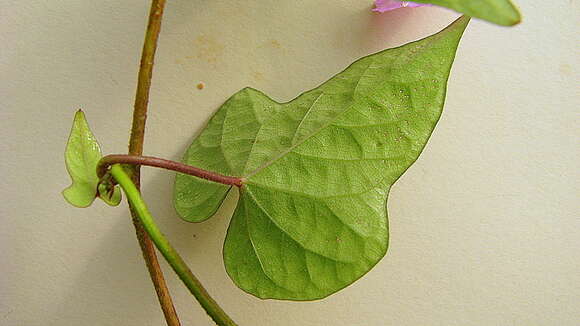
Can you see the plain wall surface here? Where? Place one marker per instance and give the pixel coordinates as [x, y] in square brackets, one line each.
[485, 227]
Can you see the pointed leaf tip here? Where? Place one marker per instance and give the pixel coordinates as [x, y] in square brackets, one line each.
[500, 12]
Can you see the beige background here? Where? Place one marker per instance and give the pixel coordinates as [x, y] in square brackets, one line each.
[484, 228]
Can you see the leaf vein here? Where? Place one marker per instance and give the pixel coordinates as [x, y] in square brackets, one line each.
[275, 223]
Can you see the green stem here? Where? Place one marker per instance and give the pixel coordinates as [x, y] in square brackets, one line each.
[172, 257]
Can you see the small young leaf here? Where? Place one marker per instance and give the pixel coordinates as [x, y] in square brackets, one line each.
[501, 12]
[81, 157]
[311, 218]
[109, 193]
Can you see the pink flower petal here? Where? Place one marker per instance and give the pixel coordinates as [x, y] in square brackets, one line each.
[388, 5]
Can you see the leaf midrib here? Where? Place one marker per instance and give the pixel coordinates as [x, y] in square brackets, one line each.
[315, 132]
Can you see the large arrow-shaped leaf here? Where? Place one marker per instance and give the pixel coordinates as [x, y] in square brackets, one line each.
[311, 217]
[501, 12]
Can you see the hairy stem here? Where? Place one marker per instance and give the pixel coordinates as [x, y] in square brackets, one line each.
[109, 160]
[172, 257]
[136, 148]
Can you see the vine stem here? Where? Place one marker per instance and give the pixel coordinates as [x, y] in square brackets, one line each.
[109, 160]
[136, 148]
[170, 254]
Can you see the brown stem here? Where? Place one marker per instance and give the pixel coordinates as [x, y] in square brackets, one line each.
[144, 79]
[136, 148]
[109, 160]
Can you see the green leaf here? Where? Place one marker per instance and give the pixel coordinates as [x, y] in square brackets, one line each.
[501, 12]
[81, 157]
[311, 217]
[108, 193]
